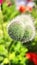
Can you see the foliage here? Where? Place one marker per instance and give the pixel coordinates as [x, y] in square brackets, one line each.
[9, 12]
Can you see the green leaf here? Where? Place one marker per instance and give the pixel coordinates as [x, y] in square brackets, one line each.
[3, 51]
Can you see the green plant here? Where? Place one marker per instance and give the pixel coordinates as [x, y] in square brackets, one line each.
[13, 52]
[8, 12]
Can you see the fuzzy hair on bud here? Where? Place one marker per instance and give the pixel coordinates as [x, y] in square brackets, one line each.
[21, 28]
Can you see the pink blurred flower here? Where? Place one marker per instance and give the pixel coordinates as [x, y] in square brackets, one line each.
[1, 1]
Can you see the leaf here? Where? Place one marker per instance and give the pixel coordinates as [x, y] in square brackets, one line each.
[1, 58]
[3, 51]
